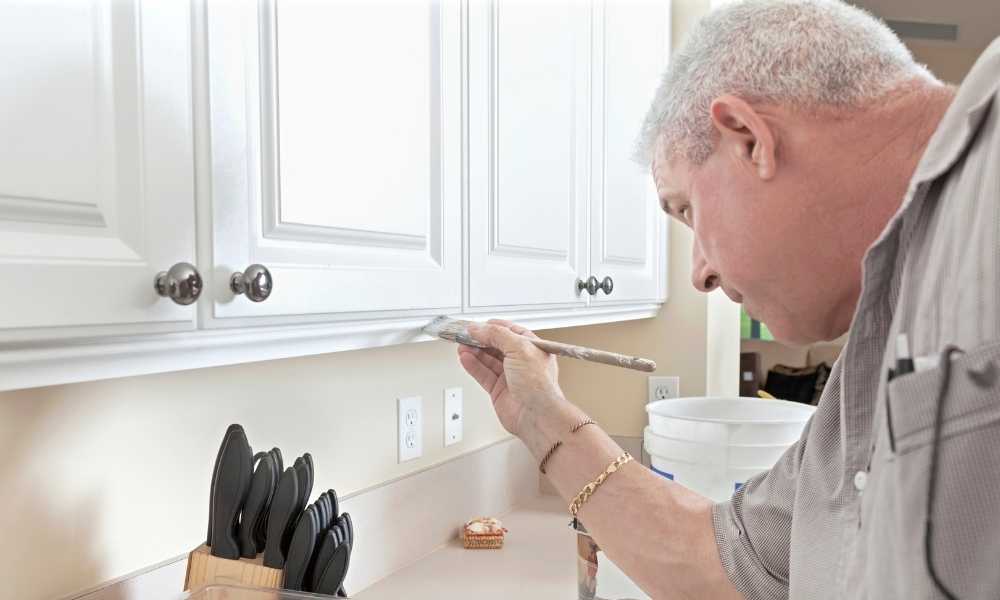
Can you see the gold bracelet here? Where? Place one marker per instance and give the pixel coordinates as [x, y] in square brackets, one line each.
[589, 489]
[552, 450]
[548, 455]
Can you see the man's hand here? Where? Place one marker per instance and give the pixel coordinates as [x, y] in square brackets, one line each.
[521, 380]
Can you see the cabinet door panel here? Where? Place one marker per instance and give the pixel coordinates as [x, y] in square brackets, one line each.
[345, 179]
[529, 135]
[628, 240]
[96, 175]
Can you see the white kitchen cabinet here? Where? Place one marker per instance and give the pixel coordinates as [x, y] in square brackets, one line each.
[334, 139]
[386, 162]
[628, 235]
[557, 93]
[529, 135]
[96, 168]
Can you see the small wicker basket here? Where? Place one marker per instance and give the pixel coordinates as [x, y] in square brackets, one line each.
[491, 540]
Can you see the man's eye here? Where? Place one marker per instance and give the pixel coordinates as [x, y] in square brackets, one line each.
[685, 213]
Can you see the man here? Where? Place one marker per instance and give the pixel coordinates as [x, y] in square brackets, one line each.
[831, 184]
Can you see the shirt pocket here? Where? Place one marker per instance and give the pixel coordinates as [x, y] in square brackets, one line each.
[966, 521]
[971, 402]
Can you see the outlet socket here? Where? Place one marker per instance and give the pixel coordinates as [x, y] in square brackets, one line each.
[411, 427]
[664, 388]
[453, 416]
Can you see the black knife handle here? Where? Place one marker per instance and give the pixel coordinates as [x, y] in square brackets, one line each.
[322, 556]
[260, 528]
[257, 498]
[332, 574]
[286, 497]
[215, 476]
[300, 551]
[231, 487]
[349, 526]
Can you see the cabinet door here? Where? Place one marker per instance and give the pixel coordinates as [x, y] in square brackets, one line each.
[96, 167]
[335, 156]
[529, 103]
[628, 230]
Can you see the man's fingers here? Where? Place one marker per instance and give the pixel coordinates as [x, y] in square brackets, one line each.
[483, 375]
[493, 359]
[500, 337]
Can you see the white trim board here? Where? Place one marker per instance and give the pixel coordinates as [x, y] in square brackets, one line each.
[398, 522]
[34, 364]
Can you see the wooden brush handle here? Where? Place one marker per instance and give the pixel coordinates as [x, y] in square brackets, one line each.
[599, 356]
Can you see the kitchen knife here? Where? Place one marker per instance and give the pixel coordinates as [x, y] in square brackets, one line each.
[333, 572]
[323, 555]
[324, 516]
[305, 484]
[232, 482]
[276, 452]
[347, 527]
[300, 550]
[215, 477]
[282, 511]
[260, 528]
[332, 494]
[307, 460]
[261, 487]
[259, 533]
[350, 527]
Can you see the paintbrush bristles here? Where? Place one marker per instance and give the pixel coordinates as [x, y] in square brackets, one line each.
[453, 330]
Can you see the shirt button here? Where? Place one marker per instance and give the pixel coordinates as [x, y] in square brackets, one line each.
[860, 480]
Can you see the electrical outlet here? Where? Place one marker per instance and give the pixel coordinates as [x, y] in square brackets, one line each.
[663, 388]
[411, 428]
[453, 416]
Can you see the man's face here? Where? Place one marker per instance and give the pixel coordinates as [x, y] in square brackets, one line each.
[759, 241]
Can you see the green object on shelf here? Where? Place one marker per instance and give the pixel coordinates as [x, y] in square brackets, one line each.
[752, 329]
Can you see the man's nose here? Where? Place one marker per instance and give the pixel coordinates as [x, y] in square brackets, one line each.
[703, 277]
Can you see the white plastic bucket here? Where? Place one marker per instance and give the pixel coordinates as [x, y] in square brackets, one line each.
[713, 445]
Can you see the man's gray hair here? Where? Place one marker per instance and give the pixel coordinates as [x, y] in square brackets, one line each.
[803, 54]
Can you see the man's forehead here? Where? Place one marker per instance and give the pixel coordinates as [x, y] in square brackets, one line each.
[669, 176]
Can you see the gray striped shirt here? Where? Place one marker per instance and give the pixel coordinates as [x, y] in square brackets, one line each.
[842, 513]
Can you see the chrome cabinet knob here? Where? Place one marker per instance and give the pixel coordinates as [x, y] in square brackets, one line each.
[181, 283]
[607, 284]
[255, 282]
[591, 285]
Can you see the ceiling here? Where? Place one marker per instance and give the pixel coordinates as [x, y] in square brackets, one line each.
[978, 21]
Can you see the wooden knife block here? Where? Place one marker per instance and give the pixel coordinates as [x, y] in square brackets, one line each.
[203, 569]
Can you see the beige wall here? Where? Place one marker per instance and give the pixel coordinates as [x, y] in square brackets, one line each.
[104, 478]
[949, 63]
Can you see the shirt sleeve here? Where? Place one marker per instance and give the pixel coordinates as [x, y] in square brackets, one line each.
[753, 528]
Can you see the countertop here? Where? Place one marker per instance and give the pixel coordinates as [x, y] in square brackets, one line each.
[538, 560]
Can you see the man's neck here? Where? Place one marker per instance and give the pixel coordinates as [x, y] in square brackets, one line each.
[891, 139]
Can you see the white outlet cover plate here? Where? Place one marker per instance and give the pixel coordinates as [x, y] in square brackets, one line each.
[664, 387]
[453, 416]
[411, 428]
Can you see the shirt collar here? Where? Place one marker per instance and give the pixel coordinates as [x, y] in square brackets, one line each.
[962, 119]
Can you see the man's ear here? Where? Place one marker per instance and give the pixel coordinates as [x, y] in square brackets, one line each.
[745, 134]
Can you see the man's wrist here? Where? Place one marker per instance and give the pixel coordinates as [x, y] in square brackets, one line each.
[547, 423]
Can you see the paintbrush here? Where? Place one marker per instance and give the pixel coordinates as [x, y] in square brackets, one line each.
[456, 330]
